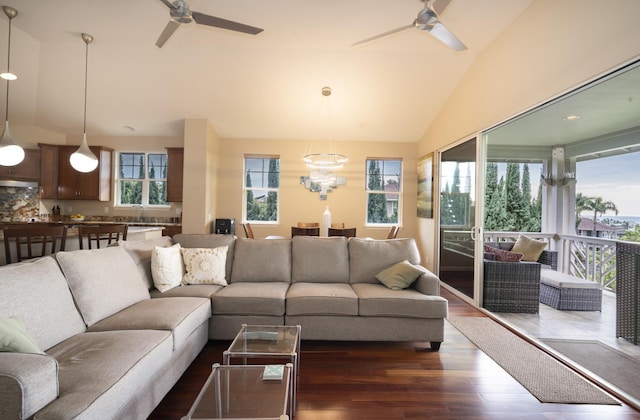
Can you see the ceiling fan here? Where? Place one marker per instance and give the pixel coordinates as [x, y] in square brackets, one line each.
[181, 13]
[429, 21]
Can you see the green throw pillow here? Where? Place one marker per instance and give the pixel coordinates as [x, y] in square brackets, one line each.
[400, 276]
[15, 338]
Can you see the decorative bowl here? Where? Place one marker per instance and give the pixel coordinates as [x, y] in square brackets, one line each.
[77, 218]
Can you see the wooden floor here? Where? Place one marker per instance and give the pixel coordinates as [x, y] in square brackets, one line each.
[398, 381]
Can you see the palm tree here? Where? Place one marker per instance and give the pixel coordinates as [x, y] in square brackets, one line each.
[599, 206]
[582, 204]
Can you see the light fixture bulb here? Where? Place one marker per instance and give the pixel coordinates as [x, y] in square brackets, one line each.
[8, 76]
[83, 159]
[10, 153]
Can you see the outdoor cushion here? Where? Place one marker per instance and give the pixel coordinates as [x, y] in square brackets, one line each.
[321, 299]
[530, 248]
[378, 300]
[103, 281]
[247, 298]
[261, 260]
[38, 294]
[319, 260]
[369, 257]
[502, 254]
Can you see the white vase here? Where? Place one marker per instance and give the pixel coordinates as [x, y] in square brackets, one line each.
[326, 222]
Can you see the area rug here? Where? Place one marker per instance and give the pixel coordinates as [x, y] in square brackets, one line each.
[614, 366]
[543, 376]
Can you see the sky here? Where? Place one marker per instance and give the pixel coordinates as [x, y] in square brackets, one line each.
[615, 179]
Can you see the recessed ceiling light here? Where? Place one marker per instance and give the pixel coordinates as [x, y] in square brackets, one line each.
[572, 117]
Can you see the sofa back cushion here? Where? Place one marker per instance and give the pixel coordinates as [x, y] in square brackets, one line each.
[369, 257]
[261, 260]
[102, 281]
[140, 252]
[319, 260]
[37, 293]
[203, 240]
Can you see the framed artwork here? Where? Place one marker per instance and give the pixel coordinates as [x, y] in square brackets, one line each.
[425, 187]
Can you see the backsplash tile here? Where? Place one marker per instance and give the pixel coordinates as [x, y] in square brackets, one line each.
[19, 204]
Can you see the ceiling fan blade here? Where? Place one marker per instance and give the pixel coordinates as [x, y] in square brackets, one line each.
[217, 22]
[382, 35]
[167, 32]
[443, 34]
[439, 6]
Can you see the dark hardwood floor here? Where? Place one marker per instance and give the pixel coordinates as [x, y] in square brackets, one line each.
[361, 380]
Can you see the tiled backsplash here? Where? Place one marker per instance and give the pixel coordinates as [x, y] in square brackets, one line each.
[19, 204]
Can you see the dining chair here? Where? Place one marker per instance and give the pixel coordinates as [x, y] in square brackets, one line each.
[393, 232]
[305, 231]
[248, 232]
[308, 225]
[337, 225]
[347, 232]
[101, 233]
[27, 238]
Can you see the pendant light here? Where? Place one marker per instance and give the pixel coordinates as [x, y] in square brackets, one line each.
[11, 153]
[83, 159]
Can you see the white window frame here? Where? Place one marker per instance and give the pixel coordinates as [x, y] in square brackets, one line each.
[145, 181]
[267, 189]
[398, 193]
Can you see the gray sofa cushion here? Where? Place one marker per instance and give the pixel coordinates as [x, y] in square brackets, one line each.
[246, 298]
[140, 252]
[180, 315]
[103, 281]
[319, 260]
[38, 294]
[369, 257]
[202, 240]
[188, 290]
[96, 375]
[321, 299]
[378, 300]
[262, 260]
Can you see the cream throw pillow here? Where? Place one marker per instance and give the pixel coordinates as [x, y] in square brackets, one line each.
[400, 276]
[166, 267]
[530, 248]
[205, 265]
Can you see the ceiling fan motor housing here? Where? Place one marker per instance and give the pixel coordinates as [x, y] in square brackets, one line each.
[181, 13]
[426, 20]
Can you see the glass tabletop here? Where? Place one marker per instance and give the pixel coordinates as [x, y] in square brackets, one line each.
[266, 339]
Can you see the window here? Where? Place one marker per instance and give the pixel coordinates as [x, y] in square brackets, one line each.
[142, 179]
[261, 188]
[384, 192]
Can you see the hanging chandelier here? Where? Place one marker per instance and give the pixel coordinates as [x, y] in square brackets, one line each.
[83, 159]
[11, 153]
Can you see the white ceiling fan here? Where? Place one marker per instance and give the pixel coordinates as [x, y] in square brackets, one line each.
[181, 13]
[429, 21]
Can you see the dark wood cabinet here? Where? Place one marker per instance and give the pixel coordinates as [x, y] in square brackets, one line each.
[175, 166]
[48, 171]
[94, 185]
[27, 170]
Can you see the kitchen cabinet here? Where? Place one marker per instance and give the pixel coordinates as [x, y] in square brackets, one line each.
[94, 185]
[48, 171]
[175, 166]
[27, 170]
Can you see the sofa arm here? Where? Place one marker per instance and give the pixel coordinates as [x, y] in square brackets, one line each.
[428, 284]
[549, 258]
[28, 382]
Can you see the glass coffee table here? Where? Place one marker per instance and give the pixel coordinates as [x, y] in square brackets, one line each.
[268, 341]
[242, 392]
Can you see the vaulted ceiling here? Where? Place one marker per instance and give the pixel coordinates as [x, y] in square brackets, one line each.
[265, 86]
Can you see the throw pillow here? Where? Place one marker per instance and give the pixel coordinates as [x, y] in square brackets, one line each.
[530, 248]
[15, 338]
[503, 254]
[205, 265]
[166, 267]
[400, 276]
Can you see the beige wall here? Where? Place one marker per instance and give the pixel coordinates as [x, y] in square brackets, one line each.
[347, 203]
[552, 47]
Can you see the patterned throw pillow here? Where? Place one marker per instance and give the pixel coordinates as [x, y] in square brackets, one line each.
[166, 267]
[205, 265]
[503, 255]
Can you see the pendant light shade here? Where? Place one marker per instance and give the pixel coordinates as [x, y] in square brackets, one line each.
[83, 159]
[11, 153]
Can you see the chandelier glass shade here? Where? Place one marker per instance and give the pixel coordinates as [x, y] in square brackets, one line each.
[11, 153]
[83, 159]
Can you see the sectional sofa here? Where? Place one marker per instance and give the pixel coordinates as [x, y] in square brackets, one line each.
[108, 345]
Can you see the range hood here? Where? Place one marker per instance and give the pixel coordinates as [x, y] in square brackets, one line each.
[22, 184]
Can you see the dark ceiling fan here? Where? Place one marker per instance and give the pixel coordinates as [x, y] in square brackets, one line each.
[181, 13]
[429, 21]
